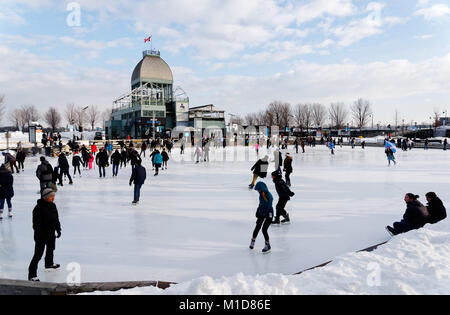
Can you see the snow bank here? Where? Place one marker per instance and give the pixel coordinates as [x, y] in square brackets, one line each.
[414, 263]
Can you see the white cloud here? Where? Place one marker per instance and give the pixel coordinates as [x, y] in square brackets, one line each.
[435, 11]
[425, 37]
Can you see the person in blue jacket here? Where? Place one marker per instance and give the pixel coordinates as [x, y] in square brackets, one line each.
[157, 161]
[332, 146]
[6, 190]
[138, 177]
[264, 214]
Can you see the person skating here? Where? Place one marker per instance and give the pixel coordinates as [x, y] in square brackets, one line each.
[143, 148]
[390, 156]
[165, 157]
[206, 152]
[102, 161]
[116, 158]
[415, 217]
[63, 165]
[296, 145]
[124, 158]
[264, 215]
[44, 173]
[20, 157]
[259, 170]
[10, 161]
[278, 159]
[94, 149]
[303, 146]
[332, 146]
[76, 163]
[182, 141]
[138, 177]
[46, 228]
[287, 168]
[435, 208]
[198, 154]
[285, 195]
[157, 160]
[6, 190]
[134, 158]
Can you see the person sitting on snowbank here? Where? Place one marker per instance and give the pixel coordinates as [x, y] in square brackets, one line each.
[436, 208]
[415, 217]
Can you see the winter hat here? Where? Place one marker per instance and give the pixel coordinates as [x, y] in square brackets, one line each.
[277, 175]
[265, 159]
[48, 192]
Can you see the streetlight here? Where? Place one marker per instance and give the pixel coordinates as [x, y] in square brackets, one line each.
[445, 112]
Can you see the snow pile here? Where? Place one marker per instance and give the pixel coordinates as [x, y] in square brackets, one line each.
[16, 137]
[414, 263]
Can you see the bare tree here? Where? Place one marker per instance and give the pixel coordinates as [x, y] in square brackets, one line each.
[298, 115]
[338, 115]
[80, 117]
[15, 117]
[53, 118]
[319, 114]
[361, 111]
[28, 114]
[70, 113]
[250, 119]
[285, 115]
[93, 116]
[260, 118]
[2, 107]
[236, 120]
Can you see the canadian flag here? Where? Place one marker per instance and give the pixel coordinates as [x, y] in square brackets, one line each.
[147, 39]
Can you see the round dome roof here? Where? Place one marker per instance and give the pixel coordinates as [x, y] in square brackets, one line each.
[152, 69]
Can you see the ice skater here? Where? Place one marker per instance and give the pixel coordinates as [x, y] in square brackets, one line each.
[415, 217]
[259, 170]
[102, 161]
[165, 157]
[198, 154]
[10, 161]
[138, 177]
[63, 165]
[45, 225]
[264, 215]
[116, 158]
[76, 163]
[390, 156]
[157, 160]
[287, 168]
[284, 194]
[332, 146]
[20, 157]
[6, 190]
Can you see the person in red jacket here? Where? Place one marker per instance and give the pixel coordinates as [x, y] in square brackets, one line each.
[94, 149]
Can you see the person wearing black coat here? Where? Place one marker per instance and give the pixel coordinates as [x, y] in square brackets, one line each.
[124, 157]
[20, 157]
[435, 208]
[76, 163]
[134, 158]
[138, 177]
[284, 194]
[102, 161]
[63, 165]
[415, 217]
[287, 167]
[259, 170]
[46, 228]
[165, 157]
[116, 158]
[44, 173]
[6, 190]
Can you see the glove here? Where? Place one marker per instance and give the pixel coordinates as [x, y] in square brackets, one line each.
[130, 183]
[58, 234]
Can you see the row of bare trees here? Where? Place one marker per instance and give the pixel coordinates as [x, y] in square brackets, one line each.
[310, 115]
[73, 115]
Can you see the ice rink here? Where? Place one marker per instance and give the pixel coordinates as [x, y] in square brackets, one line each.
[196, 220]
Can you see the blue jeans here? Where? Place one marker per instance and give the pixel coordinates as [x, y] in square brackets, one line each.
[115, 169]
[137, 191]
[2, 203]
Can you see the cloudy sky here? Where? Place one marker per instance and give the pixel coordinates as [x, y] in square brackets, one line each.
[239, 55]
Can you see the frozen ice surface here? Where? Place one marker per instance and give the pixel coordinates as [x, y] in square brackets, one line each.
[197, 220]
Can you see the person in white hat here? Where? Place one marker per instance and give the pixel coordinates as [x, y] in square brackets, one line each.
[46, 228]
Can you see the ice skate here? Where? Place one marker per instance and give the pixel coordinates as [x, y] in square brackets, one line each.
[252, 244]
[251, 186]
[34, 279]
[390, 230]
[10, 213]
[135, 203]
[267, 248]
[276, 221]
[286, 220]
[53, 267]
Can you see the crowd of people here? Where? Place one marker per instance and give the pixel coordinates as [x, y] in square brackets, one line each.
[46, 223]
